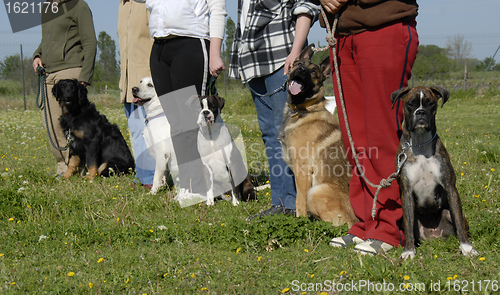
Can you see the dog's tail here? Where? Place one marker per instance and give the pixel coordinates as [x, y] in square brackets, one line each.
[116, 166]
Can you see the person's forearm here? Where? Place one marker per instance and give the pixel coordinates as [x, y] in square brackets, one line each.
[301, 31]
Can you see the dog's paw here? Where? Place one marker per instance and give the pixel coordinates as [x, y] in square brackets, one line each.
[210, 201]
[408, 253]
[235, 202]
[468, 250]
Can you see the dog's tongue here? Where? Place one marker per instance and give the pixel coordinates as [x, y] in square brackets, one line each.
[136, 99]
[294, 87]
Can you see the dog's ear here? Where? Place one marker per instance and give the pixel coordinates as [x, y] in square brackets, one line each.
[82, 93]
[221, 101]
[440, 92]
[307, 52]
[326, 67]
[56, 90]
[396, 95]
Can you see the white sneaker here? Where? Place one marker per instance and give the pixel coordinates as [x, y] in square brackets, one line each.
[345, 241]
[186, 198]
[373, 247]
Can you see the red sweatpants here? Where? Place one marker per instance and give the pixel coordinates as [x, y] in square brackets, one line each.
[372, 65]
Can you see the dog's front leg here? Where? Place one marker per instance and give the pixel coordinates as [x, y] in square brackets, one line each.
[91, 154]
[74, 162]
[210, 192]
[303, 182]
[459, 220]
[408, 205]
[160, 168]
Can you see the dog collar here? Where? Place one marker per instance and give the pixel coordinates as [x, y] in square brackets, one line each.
[302, 106]
[420, 144]
[406, 145]
[146, 120]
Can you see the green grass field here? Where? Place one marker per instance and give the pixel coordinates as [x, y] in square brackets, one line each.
[108, 237]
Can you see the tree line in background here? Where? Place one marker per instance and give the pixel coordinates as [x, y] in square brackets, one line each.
[432, 62]
[106, 70]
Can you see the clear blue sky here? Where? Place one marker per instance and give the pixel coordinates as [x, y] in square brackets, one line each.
[438, 20]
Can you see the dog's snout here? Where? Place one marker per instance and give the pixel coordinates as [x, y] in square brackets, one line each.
[420, 112]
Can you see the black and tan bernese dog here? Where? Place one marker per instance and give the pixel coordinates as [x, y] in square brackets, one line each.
[94, 141]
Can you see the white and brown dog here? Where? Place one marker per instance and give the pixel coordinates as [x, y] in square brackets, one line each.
[220, 154]
[429, 197]
[156, 132]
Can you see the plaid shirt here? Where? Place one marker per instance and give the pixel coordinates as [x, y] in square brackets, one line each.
[268, 36]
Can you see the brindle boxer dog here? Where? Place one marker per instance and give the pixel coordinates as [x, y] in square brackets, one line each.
[312, 145]
[429, 197]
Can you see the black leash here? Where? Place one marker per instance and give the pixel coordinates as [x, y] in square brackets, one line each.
[43, 103]
[259, 96]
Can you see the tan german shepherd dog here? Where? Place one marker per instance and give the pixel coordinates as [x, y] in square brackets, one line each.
[312, 145]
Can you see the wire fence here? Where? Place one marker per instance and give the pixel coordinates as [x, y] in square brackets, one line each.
[17, 75]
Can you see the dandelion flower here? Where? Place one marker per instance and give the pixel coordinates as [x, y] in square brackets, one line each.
[406, 278]
[126, 281]
[285, 290]
[11, 219]
[306, 250]
[70, 274]
[312, 276]
[482, 259]
[91, 285]
[343, 272]
[238, 250]
[100, 260]
[258, 259]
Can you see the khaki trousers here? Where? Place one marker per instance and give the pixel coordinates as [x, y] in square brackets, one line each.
[53, 113]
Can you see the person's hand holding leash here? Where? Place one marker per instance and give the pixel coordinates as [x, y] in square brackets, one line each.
[37, 62]
[215, 64]
[333, 6]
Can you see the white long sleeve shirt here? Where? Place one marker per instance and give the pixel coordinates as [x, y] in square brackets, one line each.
[203, 19]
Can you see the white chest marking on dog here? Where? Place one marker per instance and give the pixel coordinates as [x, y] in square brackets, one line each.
[424, 175]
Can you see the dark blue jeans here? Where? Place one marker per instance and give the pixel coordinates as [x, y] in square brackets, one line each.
[270, 115]
[144, 163]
